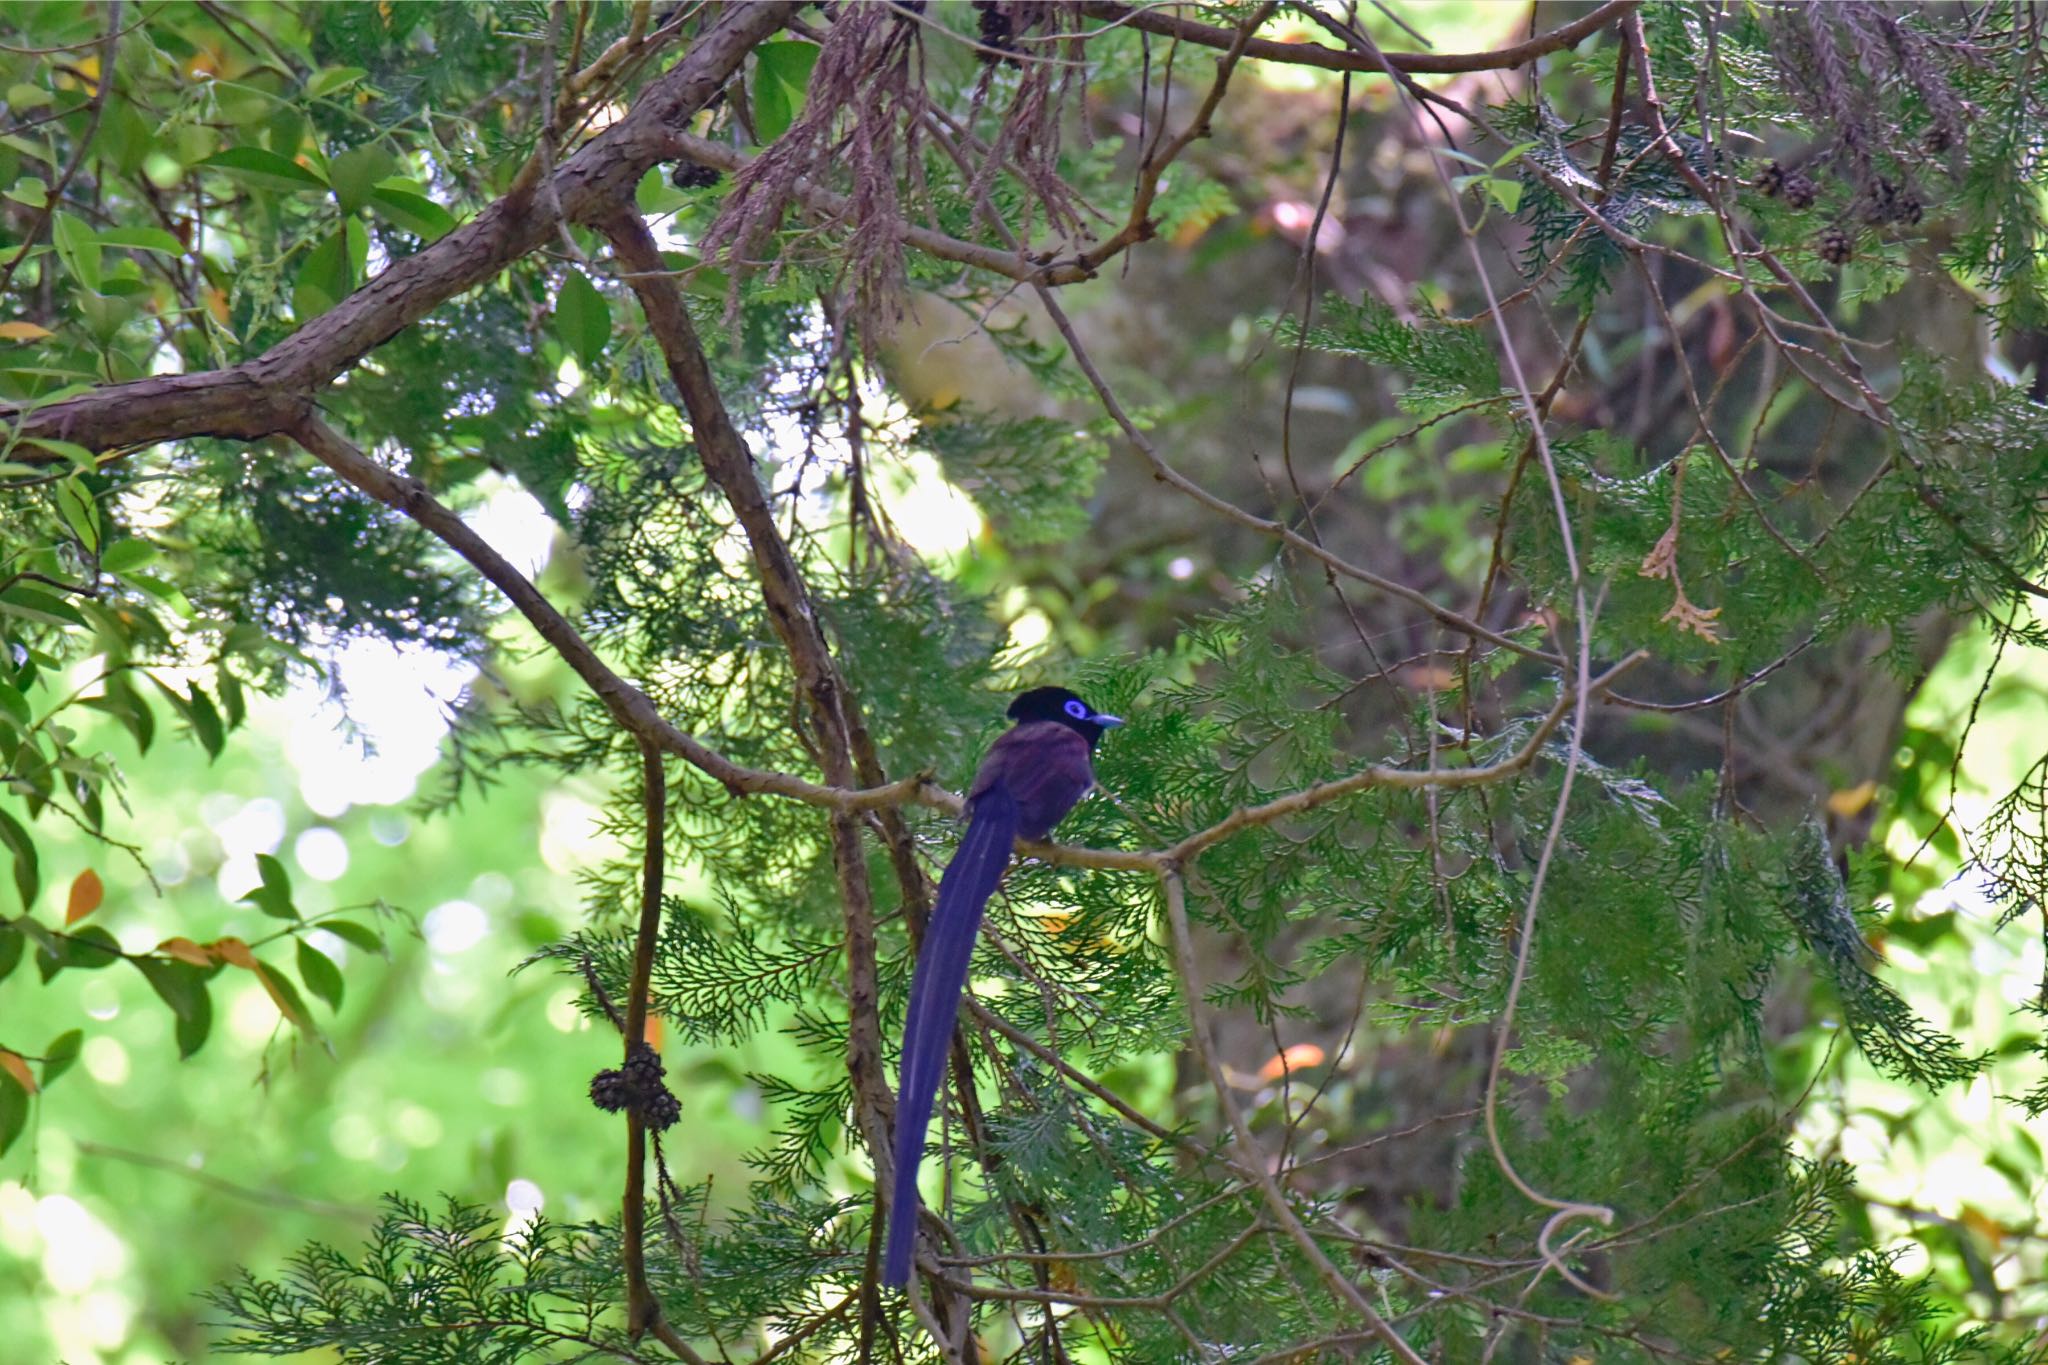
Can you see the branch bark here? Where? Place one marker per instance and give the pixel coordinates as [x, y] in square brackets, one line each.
[1336, 59]
[266, 395]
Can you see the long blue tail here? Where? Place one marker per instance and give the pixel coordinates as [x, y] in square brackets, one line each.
[970, 879]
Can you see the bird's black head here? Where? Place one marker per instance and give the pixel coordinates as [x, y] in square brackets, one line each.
[1058, 704]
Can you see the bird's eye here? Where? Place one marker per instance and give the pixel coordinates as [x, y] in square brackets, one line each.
[1078, 710]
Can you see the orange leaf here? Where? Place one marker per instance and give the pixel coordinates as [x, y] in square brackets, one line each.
[13, 1065]
[216, 304]
[1297, 1058]
[1852, 800]
[185, 950]
[22, 331]
[87, 892]
[234, 952]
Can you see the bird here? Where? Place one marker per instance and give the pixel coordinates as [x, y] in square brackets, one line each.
[1033, 774]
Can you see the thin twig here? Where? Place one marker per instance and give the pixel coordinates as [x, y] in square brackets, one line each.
[103, 83]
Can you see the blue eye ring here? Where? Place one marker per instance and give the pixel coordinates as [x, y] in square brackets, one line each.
[1077, 709]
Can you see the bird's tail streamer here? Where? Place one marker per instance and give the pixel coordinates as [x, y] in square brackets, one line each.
[970, 879]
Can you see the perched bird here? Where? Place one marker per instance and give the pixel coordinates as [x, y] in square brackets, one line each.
[1032, 776]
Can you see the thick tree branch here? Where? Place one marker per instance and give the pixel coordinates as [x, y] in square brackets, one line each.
[263, 396]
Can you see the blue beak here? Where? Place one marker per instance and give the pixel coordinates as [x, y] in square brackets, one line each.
[1107, 722]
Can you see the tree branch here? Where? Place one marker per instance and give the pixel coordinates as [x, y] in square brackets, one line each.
[264, 396]
[1336, 59]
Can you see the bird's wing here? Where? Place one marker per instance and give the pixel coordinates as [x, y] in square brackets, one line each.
[1044, 766]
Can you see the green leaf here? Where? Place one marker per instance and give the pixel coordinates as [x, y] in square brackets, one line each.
[143, 239]
[265, 170]
[125, 135]
[15, 704]
[1506, 193]
[33, 605]
[75, 504]
[414, 212]
[354, 935]
[206, 723]
[12, 944]
[60, 1054]
[30, 190]
[1514, 153]
[324, 278]
[182, 986]
[192, 1029]
[330, 79]
[287, 998]
[355, 173]
[78, 247]
[124, 555]
[274, 896]
[1466, 157]
[79, 456]
[197, 709]
[168, 593]
[231, 697]
[320, 974]
[90, 949]
[51, 944]
[782, 71]
[28, 876]
[125, 704]
[13, 1113]
[583, 320]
